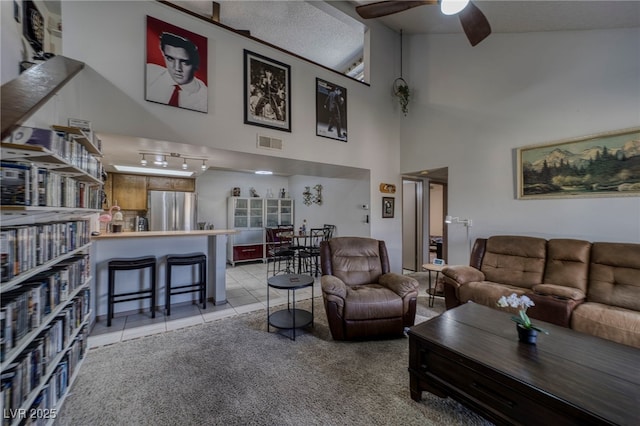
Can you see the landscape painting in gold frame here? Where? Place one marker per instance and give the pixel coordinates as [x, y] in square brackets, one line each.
[601, 165]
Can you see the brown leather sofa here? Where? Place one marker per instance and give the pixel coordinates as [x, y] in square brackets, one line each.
[593, 288]
[362, 298]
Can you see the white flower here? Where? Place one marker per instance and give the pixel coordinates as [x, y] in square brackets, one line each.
[522, 302]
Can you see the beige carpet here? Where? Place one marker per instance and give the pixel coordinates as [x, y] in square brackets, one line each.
[232, 372]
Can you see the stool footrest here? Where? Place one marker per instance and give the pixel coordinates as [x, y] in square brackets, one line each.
[130, 298]
[184, 291]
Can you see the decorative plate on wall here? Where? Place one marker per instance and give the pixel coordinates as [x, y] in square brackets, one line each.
[387, 188]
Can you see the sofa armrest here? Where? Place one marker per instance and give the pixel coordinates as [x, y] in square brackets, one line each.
[333, 285]
[462, 274]
[559, 291]
[399, 284]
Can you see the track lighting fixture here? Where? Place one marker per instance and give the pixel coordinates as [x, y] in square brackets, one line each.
[160, 159]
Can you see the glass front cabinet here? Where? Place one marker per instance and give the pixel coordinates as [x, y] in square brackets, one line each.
[250, 216]
[246, 212]
[279, 211]
[245, 215]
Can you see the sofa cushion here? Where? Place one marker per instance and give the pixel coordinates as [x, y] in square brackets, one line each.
[568, 264]
[515, 260]
[608, 322]
[372, 301]
[356, 260]
[615, 275]
[487, 293]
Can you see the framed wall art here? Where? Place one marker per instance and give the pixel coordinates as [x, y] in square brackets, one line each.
[331, 110]
[267, 92]
[33, 25]
[388, 206]
[601, 165]
[176, 66]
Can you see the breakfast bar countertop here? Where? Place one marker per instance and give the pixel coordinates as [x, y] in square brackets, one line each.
[160, 244]
[143, 234]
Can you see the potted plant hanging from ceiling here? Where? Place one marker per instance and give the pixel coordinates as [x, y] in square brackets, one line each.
[401, 90]
[400, 86]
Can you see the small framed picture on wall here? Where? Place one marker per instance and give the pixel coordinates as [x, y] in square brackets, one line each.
[331, 110]
[388, 206]
[267, 92]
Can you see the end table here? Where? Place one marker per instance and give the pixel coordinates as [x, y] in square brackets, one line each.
[290, 318]
[437, 269]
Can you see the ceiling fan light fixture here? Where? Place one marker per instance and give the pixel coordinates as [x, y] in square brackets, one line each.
[453, 7]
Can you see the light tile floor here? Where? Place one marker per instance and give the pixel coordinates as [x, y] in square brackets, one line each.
[246, 292]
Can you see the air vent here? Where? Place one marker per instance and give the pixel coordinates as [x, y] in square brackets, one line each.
[267, 142]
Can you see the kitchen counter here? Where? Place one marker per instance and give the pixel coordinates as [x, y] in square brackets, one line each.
[108, 246]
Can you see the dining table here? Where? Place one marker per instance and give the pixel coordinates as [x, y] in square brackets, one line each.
[299, 241]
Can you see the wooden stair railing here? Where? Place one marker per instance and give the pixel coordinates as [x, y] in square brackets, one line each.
[24, 95]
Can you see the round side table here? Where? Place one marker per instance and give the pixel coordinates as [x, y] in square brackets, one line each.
[290, 318]
[437, 269]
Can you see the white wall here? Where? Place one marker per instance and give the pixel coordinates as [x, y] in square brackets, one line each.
[342, 201]
[14, 45]
[473, 106]
[340, 206]
[10, 43]
[111, 92]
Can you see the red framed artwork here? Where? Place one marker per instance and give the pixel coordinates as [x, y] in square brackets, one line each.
[176, 66]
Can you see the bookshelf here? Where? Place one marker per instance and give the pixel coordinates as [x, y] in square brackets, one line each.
[51, 190]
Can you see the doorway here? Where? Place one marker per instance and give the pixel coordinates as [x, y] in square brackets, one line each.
[412, 207]
[424, 207]
[436, 221]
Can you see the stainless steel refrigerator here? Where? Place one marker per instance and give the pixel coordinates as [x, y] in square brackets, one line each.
[172, 211]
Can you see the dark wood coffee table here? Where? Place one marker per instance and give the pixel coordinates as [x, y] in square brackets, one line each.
[472, 354]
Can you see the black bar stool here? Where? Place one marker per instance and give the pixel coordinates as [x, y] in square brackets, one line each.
[130, 264]
[198, 259]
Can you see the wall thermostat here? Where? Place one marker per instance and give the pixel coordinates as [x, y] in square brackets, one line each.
[439, 262]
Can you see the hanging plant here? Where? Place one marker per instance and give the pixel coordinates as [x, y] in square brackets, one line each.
[401, 90]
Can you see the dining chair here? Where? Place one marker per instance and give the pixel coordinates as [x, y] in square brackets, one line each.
[280, 251]
[328, 231]
[309, 256]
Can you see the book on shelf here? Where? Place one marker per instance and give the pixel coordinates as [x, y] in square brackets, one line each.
[25, 247]
[16, 180]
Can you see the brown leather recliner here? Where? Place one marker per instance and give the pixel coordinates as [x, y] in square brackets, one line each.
[361, 297]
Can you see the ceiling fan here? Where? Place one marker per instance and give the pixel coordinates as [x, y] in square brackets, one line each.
[474, 23]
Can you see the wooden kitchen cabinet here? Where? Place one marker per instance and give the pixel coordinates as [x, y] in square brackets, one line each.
[158, 183]
[108, 190]
[130, 191]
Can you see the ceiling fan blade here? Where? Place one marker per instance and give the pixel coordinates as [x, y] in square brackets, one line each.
[474, 23]
[384, 8]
